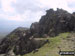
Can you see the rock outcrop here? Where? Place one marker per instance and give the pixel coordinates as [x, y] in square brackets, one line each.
[55, 22]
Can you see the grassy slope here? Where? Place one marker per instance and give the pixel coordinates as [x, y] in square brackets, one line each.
[64, 40]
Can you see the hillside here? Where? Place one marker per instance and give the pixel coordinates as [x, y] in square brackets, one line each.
[66, 41]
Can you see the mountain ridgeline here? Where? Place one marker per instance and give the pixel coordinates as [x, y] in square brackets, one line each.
[24, 40]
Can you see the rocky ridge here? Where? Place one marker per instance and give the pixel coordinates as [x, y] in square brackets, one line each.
[22, 40]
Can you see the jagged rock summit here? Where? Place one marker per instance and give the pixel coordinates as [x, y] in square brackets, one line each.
[22, 40]
[54, 22]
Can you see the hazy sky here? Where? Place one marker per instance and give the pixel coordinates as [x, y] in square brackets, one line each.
[15, 13]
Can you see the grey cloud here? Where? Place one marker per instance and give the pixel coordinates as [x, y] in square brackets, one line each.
[23, 5]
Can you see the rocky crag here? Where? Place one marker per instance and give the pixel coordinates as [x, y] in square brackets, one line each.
[22, 40]
[54, 22]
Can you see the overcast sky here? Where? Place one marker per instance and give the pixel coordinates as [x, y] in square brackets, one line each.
[15, 13]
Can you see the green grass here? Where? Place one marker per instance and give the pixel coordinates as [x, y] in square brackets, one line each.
[50, 49]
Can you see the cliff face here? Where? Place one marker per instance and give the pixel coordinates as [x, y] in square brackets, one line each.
[22, 40]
